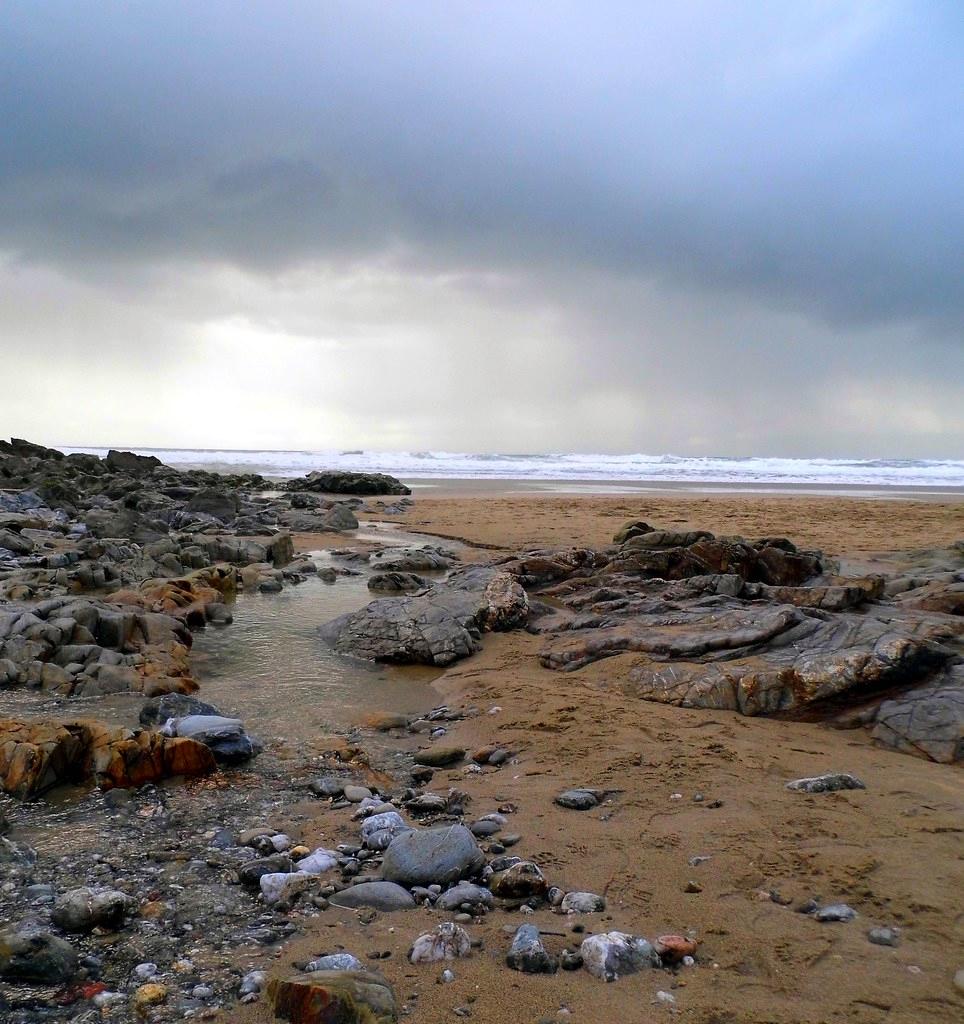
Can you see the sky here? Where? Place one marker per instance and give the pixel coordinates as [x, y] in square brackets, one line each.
[706, 228]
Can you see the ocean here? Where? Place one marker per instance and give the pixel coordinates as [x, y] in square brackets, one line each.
[574, 466]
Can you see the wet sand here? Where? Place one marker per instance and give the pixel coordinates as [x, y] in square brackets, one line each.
[893, 851]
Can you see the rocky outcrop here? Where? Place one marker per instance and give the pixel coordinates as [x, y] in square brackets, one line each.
[756, 627]
[928, 721]
[80, 647]
[37, 755]
[339, 482]
[436, 626]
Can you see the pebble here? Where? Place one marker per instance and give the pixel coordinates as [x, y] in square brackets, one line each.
[528, 954]
[447, 941]
[884, 936]
[446, 977]
[144, 971]
[836, 912]
[355, 794]
[665, 998]
[692, 886]
[959, 980]
[151, 994]
[578, 799]
[253, 982]
[831, 782]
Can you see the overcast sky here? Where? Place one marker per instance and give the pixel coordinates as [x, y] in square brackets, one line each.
[697, 227]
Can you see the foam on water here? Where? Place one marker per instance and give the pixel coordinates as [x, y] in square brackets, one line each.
[573, 466]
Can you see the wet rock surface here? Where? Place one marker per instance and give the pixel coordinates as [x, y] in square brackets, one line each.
[436, 626]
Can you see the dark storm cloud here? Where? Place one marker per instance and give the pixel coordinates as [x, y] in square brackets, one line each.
[807, 154]
[703, 226]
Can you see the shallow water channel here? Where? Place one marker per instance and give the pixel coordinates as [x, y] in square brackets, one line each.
[270, 668]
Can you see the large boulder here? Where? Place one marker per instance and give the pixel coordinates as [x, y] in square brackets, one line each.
[130, 462]
[213, 501]
[436, 626]
[339, 482]
[437, 856]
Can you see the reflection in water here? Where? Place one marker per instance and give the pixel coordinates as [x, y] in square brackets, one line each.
[272, 669]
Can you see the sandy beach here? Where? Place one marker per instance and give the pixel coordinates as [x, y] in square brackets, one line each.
[689, 784]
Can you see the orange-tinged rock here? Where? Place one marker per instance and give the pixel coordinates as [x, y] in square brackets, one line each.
[333, 997]
[37, 755]
[672, 948]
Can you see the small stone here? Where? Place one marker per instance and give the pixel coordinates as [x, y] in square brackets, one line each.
[884, 936]
[446, 977]
[252, 982]
[527, 953]
[335, 962]
[836, 912]
[832, 782]
[521, 880]
[692, 886]
[582, 903]
[151, 994]
[665, 998]
[578, 799]
[144, 971]
[30, 954]
[446, 942]
[439, 757]
[81, 910]
[330, 996]
[673, 949]
[355, 794]
[959, 980]
[570, 960]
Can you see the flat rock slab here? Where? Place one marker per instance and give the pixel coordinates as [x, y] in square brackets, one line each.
[928, 721]
[847, 655]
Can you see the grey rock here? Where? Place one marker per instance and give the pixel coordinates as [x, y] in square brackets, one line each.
[582, 903]
[81, 910]
[611, 955]
[384, 896]
[579, 799]
[835, 912]
[884, 936]
[432, 856]
[528, 954]
[34, 955]
[335, 962]
[928, 722]
[829, 783]
[437, 626]
[465, 893]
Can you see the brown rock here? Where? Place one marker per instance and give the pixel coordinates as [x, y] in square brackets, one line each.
[672, 948]
[333, 997]
[38, 755]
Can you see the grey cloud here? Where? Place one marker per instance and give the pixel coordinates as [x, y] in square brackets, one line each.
[688, 226]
